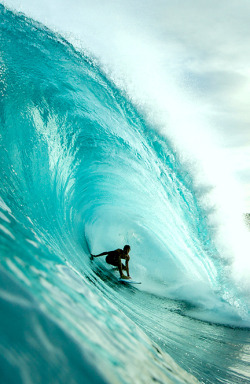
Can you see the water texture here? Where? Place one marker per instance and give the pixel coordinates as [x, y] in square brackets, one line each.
[82, 171]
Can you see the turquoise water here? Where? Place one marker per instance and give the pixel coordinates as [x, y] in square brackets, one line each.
[82, 170]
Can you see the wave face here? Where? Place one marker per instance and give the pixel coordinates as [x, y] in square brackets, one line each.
[83, 171]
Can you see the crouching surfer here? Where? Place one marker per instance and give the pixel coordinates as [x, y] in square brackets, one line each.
[115, 258]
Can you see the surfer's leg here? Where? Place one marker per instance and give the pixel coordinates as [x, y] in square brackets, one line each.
[126, 267]
[117, 263]
[120, 268]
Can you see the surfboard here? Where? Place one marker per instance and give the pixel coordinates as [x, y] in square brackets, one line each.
[129, 281]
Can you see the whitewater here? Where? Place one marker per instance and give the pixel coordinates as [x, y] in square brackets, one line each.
[85, 169]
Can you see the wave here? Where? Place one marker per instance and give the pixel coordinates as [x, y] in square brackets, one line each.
[83, 170]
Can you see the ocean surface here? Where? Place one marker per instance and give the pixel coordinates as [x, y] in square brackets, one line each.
[83, 171]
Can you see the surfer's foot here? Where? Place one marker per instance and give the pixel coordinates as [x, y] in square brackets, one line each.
[125, 277]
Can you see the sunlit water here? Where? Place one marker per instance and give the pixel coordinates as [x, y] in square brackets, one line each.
[82, 171]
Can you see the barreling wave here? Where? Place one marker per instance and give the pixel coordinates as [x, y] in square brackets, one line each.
[83, 171]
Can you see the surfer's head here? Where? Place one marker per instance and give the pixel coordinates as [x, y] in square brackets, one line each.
[126, 249]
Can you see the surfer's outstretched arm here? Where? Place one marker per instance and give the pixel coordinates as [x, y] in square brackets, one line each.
[100, 254]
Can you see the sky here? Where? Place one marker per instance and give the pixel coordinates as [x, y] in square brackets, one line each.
[184, 62]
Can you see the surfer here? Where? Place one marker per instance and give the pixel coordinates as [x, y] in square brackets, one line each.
[115, 258]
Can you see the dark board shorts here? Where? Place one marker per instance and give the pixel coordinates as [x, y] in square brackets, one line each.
[112, 260]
